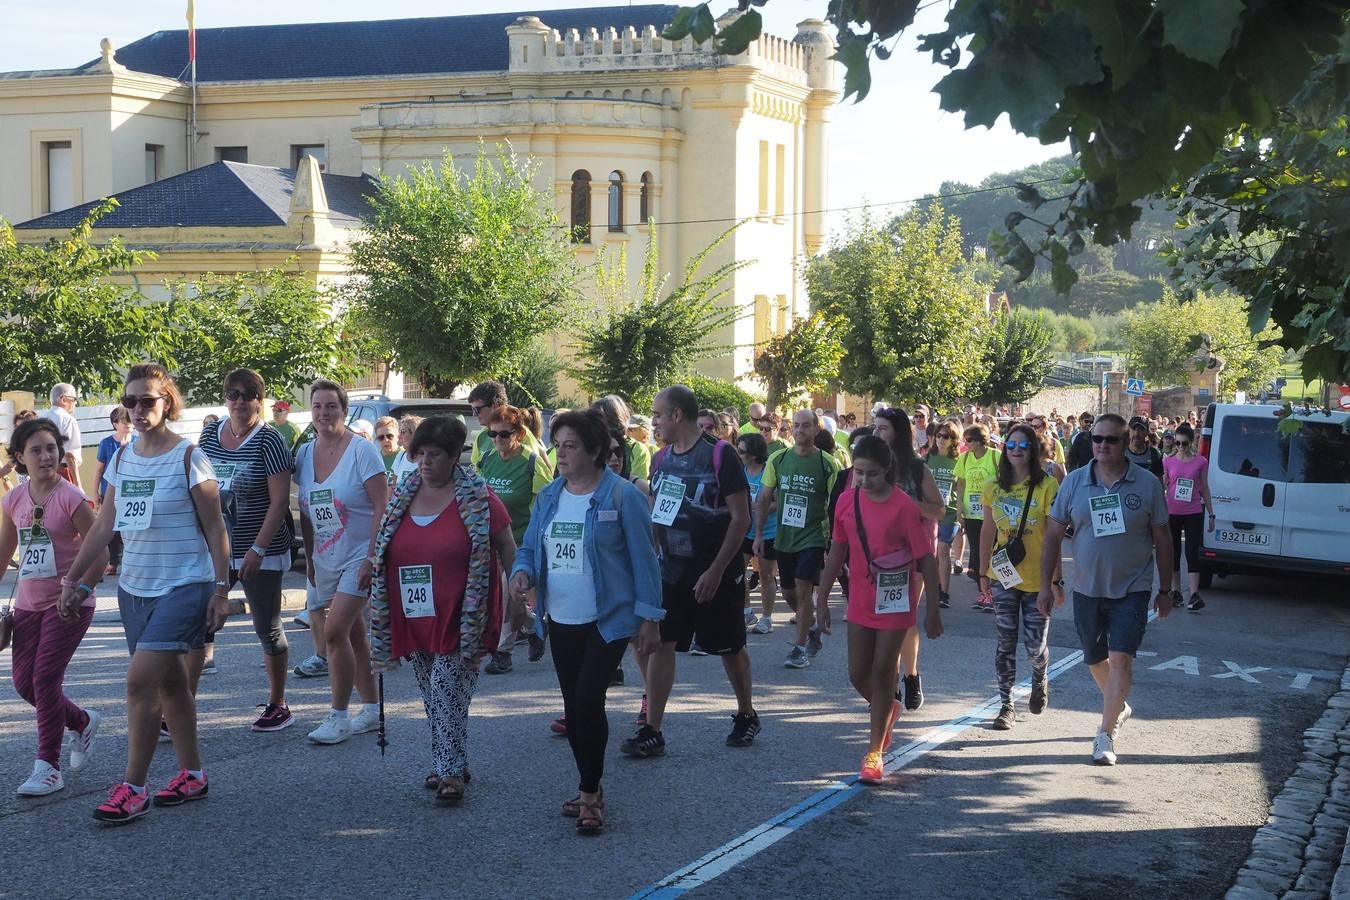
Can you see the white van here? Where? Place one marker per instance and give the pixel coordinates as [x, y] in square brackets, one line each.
[1281, 501]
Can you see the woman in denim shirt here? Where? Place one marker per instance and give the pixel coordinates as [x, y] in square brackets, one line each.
[588, 553]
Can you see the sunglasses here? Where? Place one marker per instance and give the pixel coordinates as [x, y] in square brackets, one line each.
[1185, 443]
[236, 394]
[1016, 445]
[384, 437]
[768, 429]
[1106, 439]
[709, 427]
[946, 436]
[500, 435]
[37, 530]
[146, 402]
[477, 408]
[1039, 426]
[616, 453]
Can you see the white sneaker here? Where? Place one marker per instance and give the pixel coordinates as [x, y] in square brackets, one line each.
[749, 617]
[797, 658]
[764, 625]
[1125, 713]
[1104, 749]
[332, 731]
[368, 719]
[302, 618]
[46, 779]
[82, 743]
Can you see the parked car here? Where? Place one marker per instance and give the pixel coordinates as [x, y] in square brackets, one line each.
[371, 406]
[1281, 501]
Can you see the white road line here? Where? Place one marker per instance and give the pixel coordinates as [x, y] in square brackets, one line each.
[836, 793]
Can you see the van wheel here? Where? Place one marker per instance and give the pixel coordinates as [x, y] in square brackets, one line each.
[1206, 577]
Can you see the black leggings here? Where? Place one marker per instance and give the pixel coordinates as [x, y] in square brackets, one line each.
[972, 528]
[263, 593]
[584, 662]
[1191, 525]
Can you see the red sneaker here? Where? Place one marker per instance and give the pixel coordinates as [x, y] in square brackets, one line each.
[871, 769]
[123, 805]
[182, 788]
[559, 726]
[890, 724]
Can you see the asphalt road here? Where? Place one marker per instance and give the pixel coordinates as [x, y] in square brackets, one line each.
[1219, 710]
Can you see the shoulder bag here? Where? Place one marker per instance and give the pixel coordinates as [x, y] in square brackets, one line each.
[888, 563]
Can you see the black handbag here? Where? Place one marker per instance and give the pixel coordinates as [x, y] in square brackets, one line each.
[1016, 550]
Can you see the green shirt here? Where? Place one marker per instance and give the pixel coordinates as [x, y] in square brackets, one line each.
[801, 481]
[944, 473]
[289, 433]
[516, 481]
[639, 459]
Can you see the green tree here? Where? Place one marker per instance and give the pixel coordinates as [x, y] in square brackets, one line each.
[63, 319]
[644, 336]
[716, 394]
[1079, 335]
[460, 270]
[804, 359]
[275, 322]
[1016, 359]
[534, 381]
[1166, 341]
[912, 318]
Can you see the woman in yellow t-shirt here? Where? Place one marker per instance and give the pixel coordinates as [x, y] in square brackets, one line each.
[1016, 511]
[974, 467]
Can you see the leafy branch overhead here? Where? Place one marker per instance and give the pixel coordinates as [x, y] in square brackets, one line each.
[1233, 105]
[803, 359]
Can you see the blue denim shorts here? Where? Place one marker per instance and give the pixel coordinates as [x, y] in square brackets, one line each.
[173, 622]
[947, 533]
[1110, 626]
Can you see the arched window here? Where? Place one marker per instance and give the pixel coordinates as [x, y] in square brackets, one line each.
[581, 207]
[616, 201]
[645, 199]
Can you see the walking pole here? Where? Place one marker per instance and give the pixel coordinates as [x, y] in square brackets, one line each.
[381, 741]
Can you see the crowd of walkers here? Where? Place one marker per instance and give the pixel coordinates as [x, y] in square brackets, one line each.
[613, 530]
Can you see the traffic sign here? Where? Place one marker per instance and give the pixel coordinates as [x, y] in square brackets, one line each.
[1134, 387]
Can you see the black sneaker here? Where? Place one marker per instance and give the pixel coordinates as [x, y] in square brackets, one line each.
[1005, 718]
[944, 599]
[616, 677]
[500, 663]
[743, 730]
[754, 580]
[536, 647]
[957, 568]
[1177, 600]
[1197, 602]
[814, 644]
[646, 742]
[911, 692]
[1040, 696]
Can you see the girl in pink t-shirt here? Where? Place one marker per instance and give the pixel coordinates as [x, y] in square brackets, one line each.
[46, 519]
[881, 531]
[1187, 491]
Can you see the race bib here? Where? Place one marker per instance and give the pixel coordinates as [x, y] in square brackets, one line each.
[794, 510]
[324, 514]
[1004, 570]
[944, 486]
[135, 504]
[1185, 489]
[1107, 516]
[976, 503]
[565, 548]
[414, 584]
[224, 475]
[669, 499]
[892, 592]
[36, 559]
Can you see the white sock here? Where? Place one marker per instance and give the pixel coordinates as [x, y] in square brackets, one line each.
[339, 714]
[138, 788]
[198, 774]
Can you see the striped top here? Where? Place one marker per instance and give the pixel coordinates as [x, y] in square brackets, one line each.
[263, 454]
[171, 552]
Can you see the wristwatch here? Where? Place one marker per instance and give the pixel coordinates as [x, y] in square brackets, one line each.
[1059, 583]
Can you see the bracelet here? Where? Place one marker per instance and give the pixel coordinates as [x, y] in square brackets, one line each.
[84, 587]
[258, 550]
[223, 584]
[1059, 583]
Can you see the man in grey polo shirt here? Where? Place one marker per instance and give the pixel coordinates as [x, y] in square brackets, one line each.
[1120, 537]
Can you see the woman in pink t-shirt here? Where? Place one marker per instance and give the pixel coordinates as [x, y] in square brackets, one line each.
[1187, 492]
[46, 518]
[881, 529]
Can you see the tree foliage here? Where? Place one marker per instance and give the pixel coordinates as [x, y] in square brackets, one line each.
[275, 322]
[1016, 359]
[1167, 341]
[1233, 101]
[63, 319]
[716, 394]
[911, 315]
[534, 379]
[806, 358]
[459, 270]
[643, 336]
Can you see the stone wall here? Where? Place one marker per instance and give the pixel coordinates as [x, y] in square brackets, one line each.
[1069, 401]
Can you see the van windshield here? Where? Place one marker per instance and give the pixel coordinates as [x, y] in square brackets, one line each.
[1320, 454]
[1251, 446]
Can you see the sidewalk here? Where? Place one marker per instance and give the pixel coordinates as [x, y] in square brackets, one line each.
[1301, 852]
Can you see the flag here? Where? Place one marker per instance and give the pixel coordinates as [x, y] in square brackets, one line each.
[192, 34]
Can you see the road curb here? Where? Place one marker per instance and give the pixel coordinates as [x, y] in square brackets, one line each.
[1301, 852]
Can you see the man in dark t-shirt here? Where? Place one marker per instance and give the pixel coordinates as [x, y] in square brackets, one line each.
[700, 514]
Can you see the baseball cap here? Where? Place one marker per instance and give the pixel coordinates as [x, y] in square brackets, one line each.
[281, 404]
[1138, 422]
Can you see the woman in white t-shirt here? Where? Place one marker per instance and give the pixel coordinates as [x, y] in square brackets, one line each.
[173, 587]
[343, 491]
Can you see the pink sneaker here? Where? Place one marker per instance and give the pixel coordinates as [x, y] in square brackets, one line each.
[182, 788]
[559, 726]
[123, 805]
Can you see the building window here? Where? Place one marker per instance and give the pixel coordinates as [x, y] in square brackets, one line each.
[781, 302]
[780, 155]
[763, 178]
[581, 207]
[645, 199]
[232, 154]
[59, 184]
[318, 151]
[616, 201]
[154, 163]
[762, 333]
